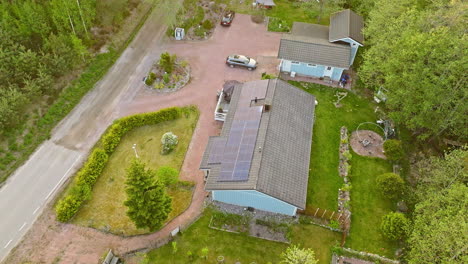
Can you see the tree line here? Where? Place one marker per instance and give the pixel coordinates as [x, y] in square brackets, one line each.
[41, 41]
[417, 51]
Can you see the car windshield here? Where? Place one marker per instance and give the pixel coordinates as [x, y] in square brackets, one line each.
[226, 19]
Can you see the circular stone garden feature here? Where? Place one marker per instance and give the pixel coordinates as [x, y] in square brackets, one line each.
[168, 74]
[367, 143]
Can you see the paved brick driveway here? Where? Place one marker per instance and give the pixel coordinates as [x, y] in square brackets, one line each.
[51, 241]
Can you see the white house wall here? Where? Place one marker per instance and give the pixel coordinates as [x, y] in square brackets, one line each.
[255, 199]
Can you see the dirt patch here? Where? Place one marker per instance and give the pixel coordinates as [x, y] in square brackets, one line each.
[367, 143]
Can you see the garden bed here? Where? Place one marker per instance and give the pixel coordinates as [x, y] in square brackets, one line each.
[169, 74]
[198, 19]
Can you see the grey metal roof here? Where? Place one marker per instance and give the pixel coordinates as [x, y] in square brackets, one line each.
[280, 164]
[309, 43]
[346, 24]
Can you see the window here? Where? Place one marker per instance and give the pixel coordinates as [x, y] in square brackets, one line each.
[311, 65]
[295, 62]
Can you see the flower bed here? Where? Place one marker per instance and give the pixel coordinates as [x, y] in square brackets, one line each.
[169, 74]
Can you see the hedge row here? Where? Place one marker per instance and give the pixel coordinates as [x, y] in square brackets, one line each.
[81, 191]
[69, 205]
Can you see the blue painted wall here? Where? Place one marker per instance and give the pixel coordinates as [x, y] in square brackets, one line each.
[353, 53]
[254, 199]
[336, 75]
[317, 71]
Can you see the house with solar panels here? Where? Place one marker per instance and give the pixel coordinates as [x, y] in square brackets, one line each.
[261, 158]
[320, 51]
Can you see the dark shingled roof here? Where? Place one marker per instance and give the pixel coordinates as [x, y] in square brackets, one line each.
[309, 43]
[346, 24]
[280, 164]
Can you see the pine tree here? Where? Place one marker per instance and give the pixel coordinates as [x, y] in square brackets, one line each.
[147, 201]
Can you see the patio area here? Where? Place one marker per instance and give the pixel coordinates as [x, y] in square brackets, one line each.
[335, 84]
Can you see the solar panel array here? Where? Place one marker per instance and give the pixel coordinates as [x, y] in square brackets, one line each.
[240, 144]
[217, 150]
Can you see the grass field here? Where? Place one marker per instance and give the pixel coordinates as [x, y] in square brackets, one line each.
[288, 12]
[240, 247]
[368, 207]
[324, 180]
[105, 211]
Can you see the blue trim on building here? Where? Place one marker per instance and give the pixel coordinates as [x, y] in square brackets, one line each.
[255, 199]
[307, 69]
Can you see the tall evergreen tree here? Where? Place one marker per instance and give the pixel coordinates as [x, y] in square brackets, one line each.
[147, 201]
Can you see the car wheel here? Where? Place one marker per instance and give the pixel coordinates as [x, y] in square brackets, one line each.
[231, 65]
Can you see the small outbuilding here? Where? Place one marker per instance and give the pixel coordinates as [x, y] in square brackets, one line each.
[265, 3]
[322, 51]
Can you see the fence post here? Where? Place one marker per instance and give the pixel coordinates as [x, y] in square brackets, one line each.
[324, 213]
[316, 212]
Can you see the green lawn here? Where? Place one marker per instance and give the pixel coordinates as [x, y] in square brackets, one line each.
[324, 180]
[288, 12]
[240, 247]
[368, 207]
[105, 211]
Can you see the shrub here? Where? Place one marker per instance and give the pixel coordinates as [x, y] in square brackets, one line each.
[167, 62]
[159, 85]
[67, 207]
[390, 184]
[199, 32]
[167, 175]
[393, 149]
[166, 78]
[395, 226]
[207, 24]
[266, 76]
[334, 224]
[149, 81]
[169, 142]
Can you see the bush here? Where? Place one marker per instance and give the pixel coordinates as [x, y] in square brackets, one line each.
[67, 207]
[207, 24]
[393, 149]
[169, 142]
[167, 62]
[278, 25]
[112, 137]
[334, 224]
[84, 182]
[159, 85]
[166, 78]
[390, 185]
[167, 175]
[395, 226]
[199, 32]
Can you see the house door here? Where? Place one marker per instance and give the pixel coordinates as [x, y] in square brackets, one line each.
[328, 71]
[286, 66]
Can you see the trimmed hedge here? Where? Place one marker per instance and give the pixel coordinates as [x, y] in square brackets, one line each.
[84, 181]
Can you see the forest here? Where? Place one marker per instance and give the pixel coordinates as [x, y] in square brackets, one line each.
[41, 41]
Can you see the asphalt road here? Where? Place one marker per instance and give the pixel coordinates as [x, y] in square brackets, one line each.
[22, 198]
[26, 192]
